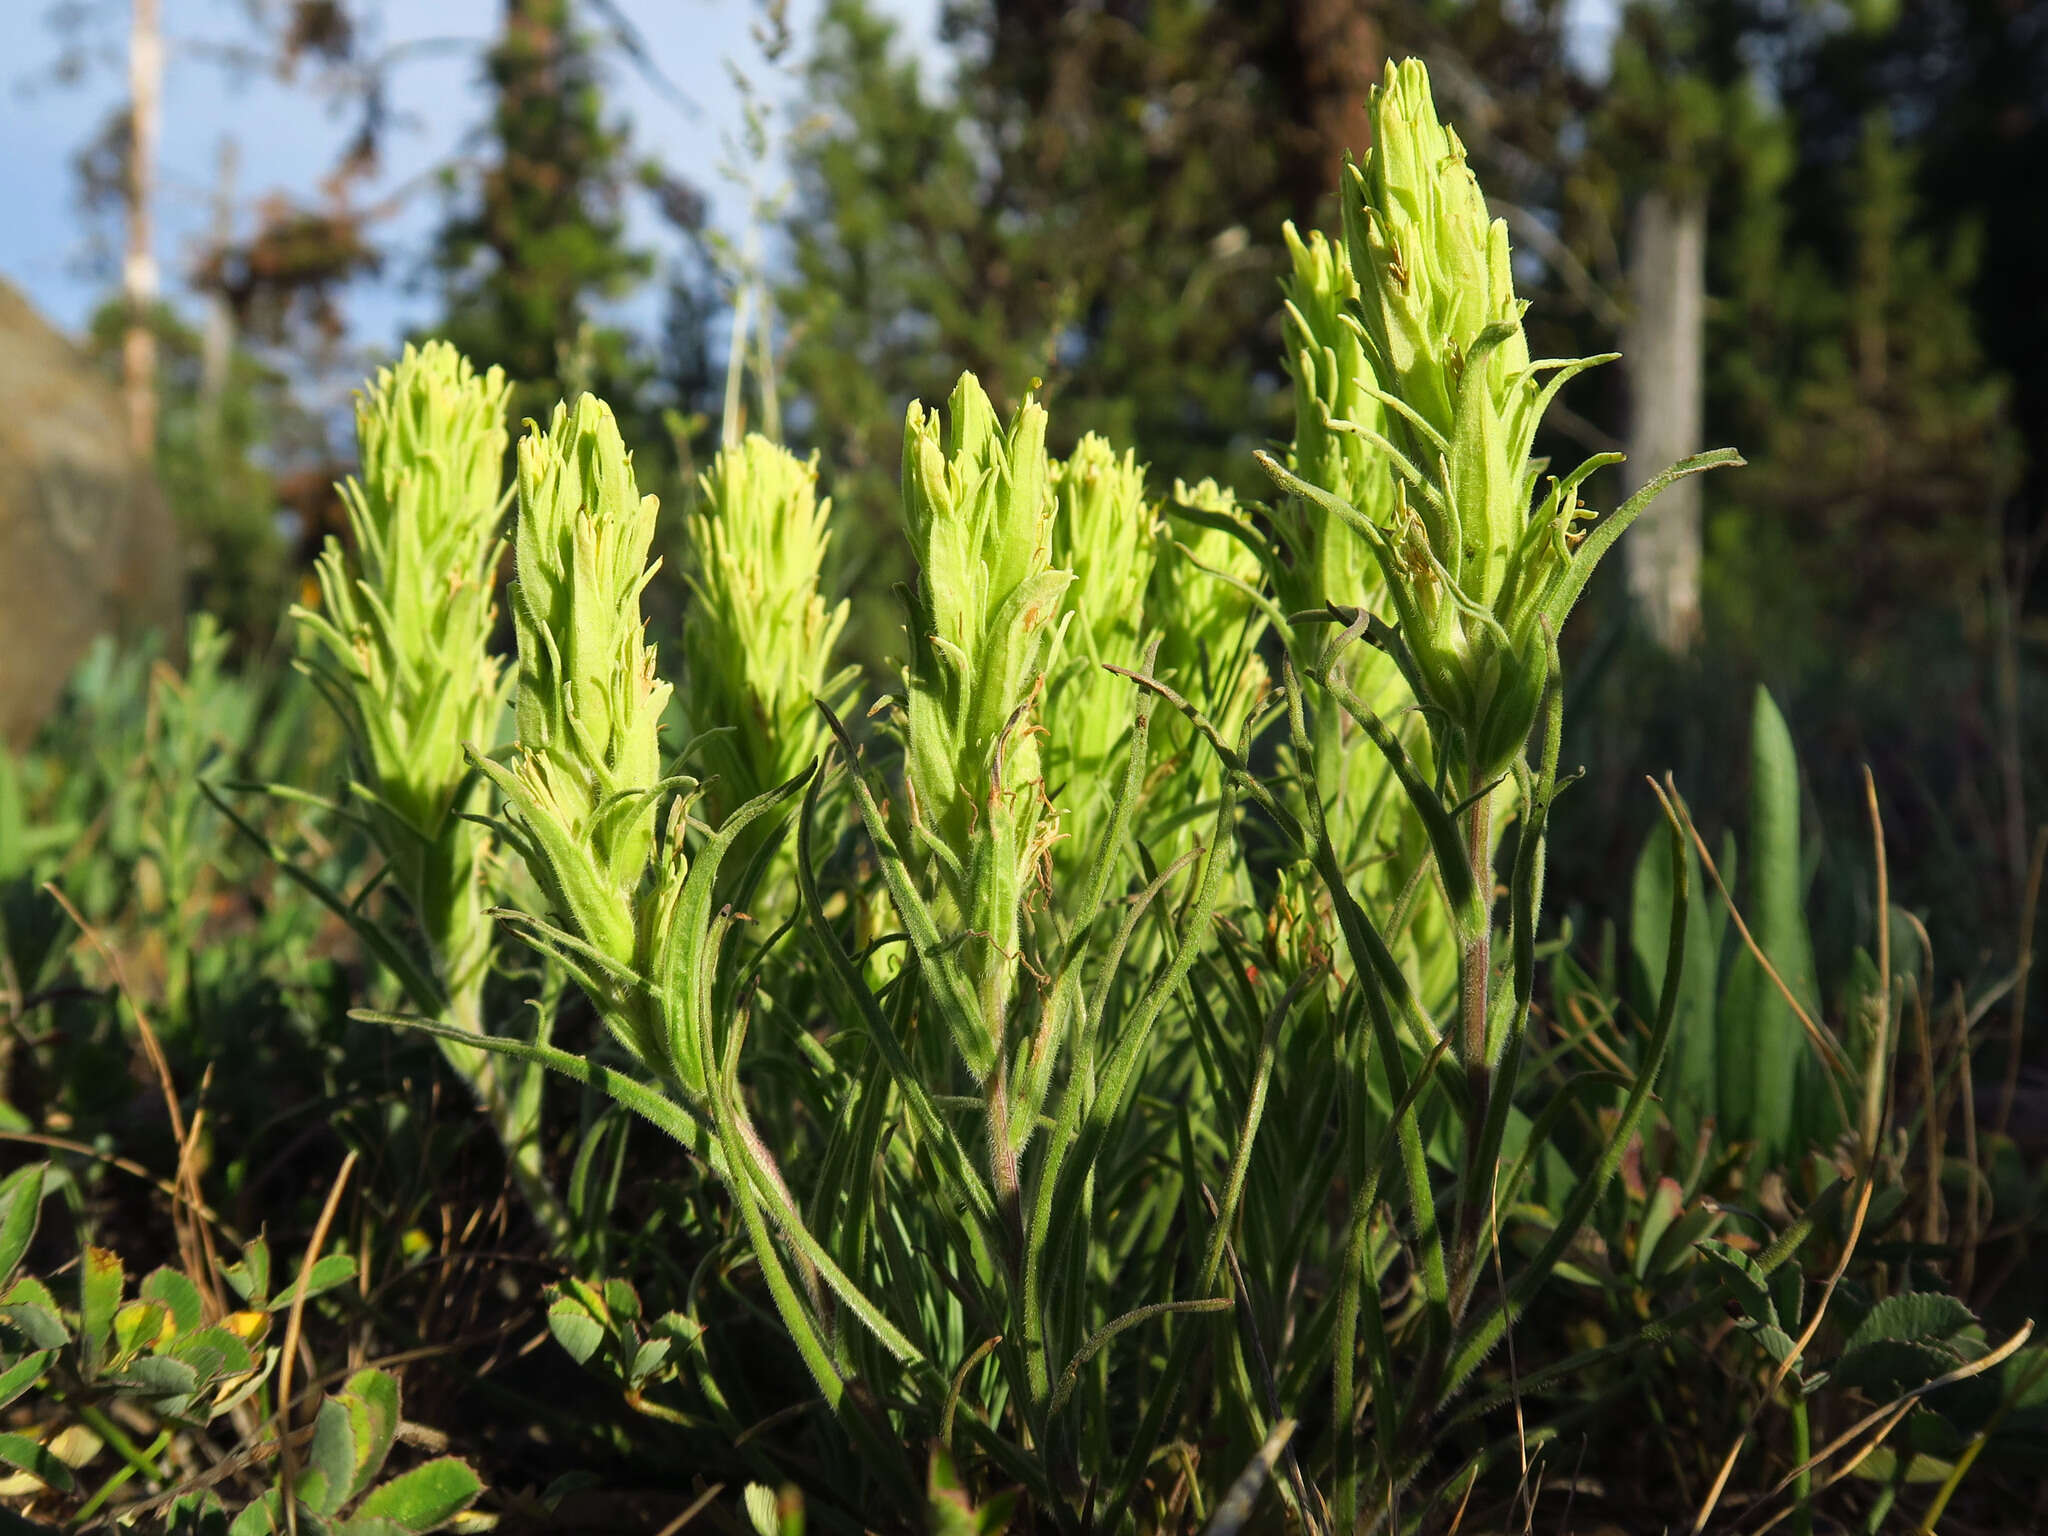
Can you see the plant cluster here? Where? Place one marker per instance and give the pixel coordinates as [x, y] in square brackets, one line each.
[1131, 1086]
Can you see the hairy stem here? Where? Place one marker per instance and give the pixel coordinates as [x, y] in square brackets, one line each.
[1475, 980]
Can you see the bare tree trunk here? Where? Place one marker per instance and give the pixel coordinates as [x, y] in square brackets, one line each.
[1663, 349]
[217, 342]
[139, 281]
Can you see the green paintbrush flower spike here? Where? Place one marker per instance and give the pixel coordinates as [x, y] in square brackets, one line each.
[402, 649]
[1476, 570]
[585, 779]
[1339, 421]
[758, 640]
[401, 644]
[1432, 265]
[985, 617]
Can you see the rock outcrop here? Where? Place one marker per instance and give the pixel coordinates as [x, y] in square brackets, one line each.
[87, 544]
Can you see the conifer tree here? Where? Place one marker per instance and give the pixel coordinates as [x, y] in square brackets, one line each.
[540, 239]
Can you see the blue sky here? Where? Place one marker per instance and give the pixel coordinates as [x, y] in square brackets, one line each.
[287, 136]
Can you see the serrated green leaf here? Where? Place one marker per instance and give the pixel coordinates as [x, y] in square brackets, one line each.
[647, 1359]
[575, 1329]
[1916, 1316]
[23, 1374]
[21, 1202]
[621, 1299]
[2025, 1378]
[327, 1272]
[1788, 1291]
[1747, 1283]
[260, 1518]
[426, 1498]
[174, 1291]
[196, 1514]
[137, 1326]
[31, 1311]
[158, 1376]
[1889, 1367]
[1882, 1466]
[213, 1352]
[251, 1277]
[1776, 1342]
[331, 1460]
[371, 1399]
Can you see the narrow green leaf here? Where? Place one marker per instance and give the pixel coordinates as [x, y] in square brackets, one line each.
[1111, 1329]
[1481, 1333]
[1469, 906]
[966, 1178]
[1691, 1088]
[676, 1118]
[24, 1454]
[1769, 1061]
[424, 992]
[951, 992]
[99, 1297]
[1566, 596]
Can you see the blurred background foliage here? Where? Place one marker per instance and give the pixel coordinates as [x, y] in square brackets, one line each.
[1086, 204]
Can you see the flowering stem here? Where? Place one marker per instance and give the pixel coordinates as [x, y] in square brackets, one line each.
[1476, 977]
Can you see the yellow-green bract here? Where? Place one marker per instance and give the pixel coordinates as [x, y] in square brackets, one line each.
[1333, 383]
[1103, 533]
